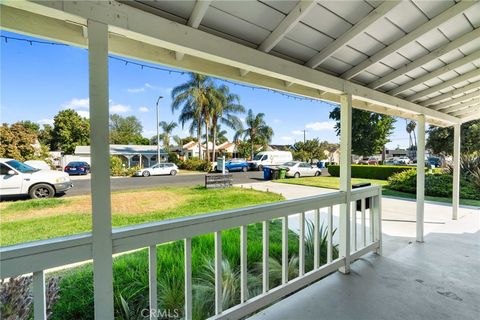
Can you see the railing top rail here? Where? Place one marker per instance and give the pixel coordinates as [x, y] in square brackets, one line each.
[38, 255]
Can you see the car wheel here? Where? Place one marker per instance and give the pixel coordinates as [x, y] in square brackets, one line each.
[244, 169]
[296, 175]
[41, 190]
[146, 173]
[173, 172]
[317, 173]
[260, 168]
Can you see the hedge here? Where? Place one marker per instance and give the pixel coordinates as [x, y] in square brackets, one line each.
[379, 172]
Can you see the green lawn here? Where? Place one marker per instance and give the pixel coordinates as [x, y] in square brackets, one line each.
[333, 183]
[30, 220]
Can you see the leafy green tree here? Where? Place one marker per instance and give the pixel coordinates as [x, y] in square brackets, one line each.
[69, 130]
[310, 150]
[243, 148]
[17, 142]
[224, 109]
[440, 140]
[370, 130]
[167, 132]
[126, 130]
[257, 132]
[192, 97]
[45, 135]
[33, 127]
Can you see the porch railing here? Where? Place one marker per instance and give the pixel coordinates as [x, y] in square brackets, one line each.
[364, 237]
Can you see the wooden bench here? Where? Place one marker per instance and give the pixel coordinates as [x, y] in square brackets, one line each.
[218, 181]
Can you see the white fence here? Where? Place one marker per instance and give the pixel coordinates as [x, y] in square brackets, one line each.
[364, 236]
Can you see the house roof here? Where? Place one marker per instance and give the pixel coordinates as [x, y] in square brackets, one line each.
[121, 149]
[404, 58]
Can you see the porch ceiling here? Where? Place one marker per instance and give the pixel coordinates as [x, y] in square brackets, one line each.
[403, 58]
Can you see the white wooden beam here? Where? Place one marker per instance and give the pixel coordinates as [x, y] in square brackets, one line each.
[461, 106]
[100, 180]
[426, 27]
[455, 101]
[435, 73]
[451, 94]
[454, 45]
[464, 77]
[287, 24]
[154, 34]
[469, 117]
[456, 171]
[198, 12]
[471, 109]
[357, 29]
[345, 178]
[420, 178]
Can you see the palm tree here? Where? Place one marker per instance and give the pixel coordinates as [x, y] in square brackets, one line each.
[167, 131]
[257, 131]
[192, 98]
[225, 106]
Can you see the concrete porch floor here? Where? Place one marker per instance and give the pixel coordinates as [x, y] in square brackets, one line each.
[437, 279]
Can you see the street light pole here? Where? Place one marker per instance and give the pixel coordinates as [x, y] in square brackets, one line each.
[158, 134]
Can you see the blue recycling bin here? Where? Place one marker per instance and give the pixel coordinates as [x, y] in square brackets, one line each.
[267, 173]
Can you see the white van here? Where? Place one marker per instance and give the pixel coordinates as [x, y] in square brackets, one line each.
[270, 158]
[18, 178]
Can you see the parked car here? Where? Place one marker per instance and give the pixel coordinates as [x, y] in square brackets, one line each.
[234, 165]
[18, 178]
[38, 164]
[77, 167]
[269, 158]
[297, 169]
[158, 170]
[368, 160]
[435, 161]
[403, 160]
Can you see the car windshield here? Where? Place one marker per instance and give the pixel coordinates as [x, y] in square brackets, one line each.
[258, 157]
[22, 167]
[75, 164]
[289, 164]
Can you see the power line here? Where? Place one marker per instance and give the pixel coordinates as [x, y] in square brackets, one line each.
[170, 71]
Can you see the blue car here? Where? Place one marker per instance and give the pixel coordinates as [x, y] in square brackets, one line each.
[236, 165]
[77, 167]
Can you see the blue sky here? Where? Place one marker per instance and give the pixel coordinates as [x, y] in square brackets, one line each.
[39, 80]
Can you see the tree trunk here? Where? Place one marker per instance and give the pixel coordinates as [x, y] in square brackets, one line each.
[199, 140]
[214, 139]
[251, 148]
[206, 138]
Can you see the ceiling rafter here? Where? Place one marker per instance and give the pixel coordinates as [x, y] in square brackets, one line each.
[408, 38]
[471, 109]
[464, 77]
[454, 45]
[435, 73]
[468, 117]
[198, 12]
[462, 106]
[460, 99]
[355, 30]
[451, 94]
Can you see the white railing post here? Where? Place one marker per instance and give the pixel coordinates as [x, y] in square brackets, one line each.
[420, 177]
[152, 280]
[316, 239]
[330, 235]
[100, 180]
[364, 227]
[345, 178]
[353, 239]
[285, 249]
[456, 171]
[301, 245]
[378, 220]
[218, 273]
[266, 255]
[39, 296]
[243, 264]
[188, 279]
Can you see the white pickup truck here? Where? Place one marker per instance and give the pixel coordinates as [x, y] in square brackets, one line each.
[17, 178]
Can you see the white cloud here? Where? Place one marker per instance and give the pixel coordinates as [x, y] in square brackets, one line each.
[119, 108]
[76, 104]
[318, 126]
[136, 90]
[45, 121]
[297, 132]
[276, 120]
[149, 86]
[143, 109]
[285, 138]
[84, 114]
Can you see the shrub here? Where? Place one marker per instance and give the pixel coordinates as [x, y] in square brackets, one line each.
[195, 164]
[379, 172]
[173, 158]
[117, 168]
[436, 184]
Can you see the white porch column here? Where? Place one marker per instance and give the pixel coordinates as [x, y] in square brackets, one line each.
[456, 171]
[420, 177]
[345, 177]
[100, 181]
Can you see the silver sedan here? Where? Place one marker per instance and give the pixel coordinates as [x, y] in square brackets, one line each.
[297, 169]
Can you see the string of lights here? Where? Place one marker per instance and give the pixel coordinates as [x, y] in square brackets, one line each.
[170, 71]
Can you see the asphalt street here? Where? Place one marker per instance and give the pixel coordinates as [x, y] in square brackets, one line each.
[81, 185]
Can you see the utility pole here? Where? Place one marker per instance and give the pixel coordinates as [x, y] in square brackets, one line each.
[158, 134]
[304, 136]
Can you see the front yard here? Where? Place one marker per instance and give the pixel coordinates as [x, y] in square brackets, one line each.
[333, 183]
[48, 218]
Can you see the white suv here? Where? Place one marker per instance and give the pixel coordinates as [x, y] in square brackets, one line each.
[17, 178]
